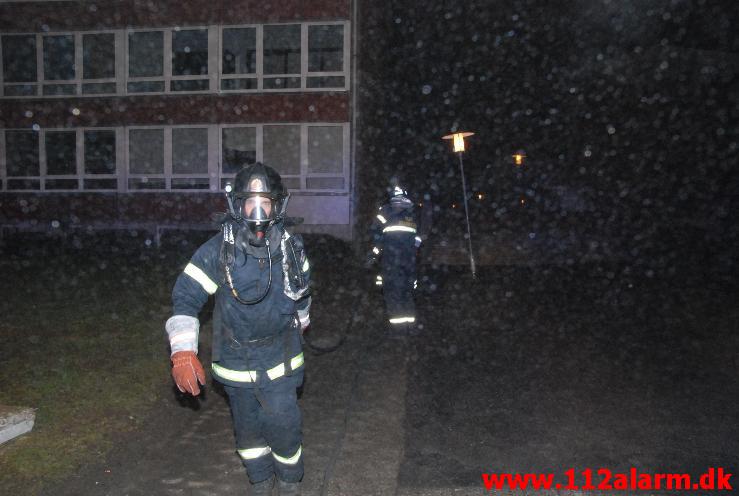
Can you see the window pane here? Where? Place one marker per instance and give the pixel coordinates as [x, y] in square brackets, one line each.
[190, 85]
[190, 52]
[282, 148]
[281, 83]
[61, 152]
[239, 51]
[24, 184]
[145, 54]
[325, 149]
[101, 184]
[324, 183]
[98, 88]
[21, 153]
[19, 58]
[58, 57]
[146, 151]
[146, 87]
[291, 183]
[61, 184]
[20, 90]
[325, 48]
[239, 148]
[326, 82]
[195, 183]
[146, 183]
[98, 56]
[190, 151]
[60, 89]
[100, 152]
[282, 49]
[239, 84]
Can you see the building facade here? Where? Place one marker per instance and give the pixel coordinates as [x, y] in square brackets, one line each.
[134, 114]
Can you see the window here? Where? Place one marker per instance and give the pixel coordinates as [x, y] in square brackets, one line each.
[59, 65]
[146, 159]
[69, 64]
[22, 159]
[326, 56]
[184, 69]
[282, 56]
[61, 160]
[19, 65]
[168, 158]
[190, 158]
[238, 148]
[270, 57]
[146, 61]
[100, 160]
[189, 58]
[325, 157]
[98, 63]
[239, 59]
[282, 152]
[309, 157]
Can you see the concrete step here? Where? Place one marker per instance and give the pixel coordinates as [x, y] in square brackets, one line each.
[14, 421]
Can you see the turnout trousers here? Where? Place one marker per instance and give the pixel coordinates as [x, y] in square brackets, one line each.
[398, 280]
[268, 433]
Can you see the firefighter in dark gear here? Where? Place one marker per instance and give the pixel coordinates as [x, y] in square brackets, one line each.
[395, 242]
[259, 274]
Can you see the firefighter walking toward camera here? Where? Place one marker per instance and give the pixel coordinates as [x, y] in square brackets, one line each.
[260, 276]
[395, 242]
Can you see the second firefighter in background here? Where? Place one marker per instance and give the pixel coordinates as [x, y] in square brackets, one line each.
[395, 241]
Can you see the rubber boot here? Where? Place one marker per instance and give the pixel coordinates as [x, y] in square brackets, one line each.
[263, 488]
[289, 488]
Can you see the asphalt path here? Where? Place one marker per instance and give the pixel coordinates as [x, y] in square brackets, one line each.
[544, 369]
[526, 369]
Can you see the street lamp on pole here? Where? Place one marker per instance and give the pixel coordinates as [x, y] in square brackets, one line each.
[458, 142]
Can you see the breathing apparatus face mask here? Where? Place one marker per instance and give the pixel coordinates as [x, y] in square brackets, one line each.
[258, 213]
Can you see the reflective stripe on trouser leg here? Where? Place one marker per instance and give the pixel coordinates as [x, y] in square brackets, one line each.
[293, 460]
[282, 425]
[250, 440]
[253, 453]
[409, 319]
[397, 291]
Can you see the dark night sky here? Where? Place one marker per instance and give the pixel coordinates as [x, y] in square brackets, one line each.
[627, 111]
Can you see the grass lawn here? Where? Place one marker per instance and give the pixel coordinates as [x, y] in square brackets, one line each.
[83, 342]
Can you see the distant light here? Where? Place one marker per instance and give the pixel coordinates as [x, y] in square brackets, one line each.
[228, 188]
[523, 200]
[76, 111]
[519, 157]
[480, 196]
[454, 205]
[458, 139]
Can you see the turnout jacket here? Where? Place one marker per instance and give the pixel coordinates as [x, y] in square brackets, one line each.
[394, 234]
[256, 344]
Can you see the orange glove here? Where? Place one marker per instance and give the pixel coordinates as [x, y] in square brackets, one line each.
[187, 372]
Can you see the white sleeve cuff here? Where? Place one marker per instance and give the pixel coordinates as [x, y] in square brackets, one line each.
[183, 333]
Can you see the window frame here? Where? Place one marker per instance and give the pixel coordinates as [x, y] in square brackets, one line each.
[78, 81]
[215, 74]
[214, 172]
[80, 175]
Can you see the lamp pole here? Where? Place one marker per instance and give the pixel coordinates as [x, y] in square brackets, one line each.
[458, 142]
